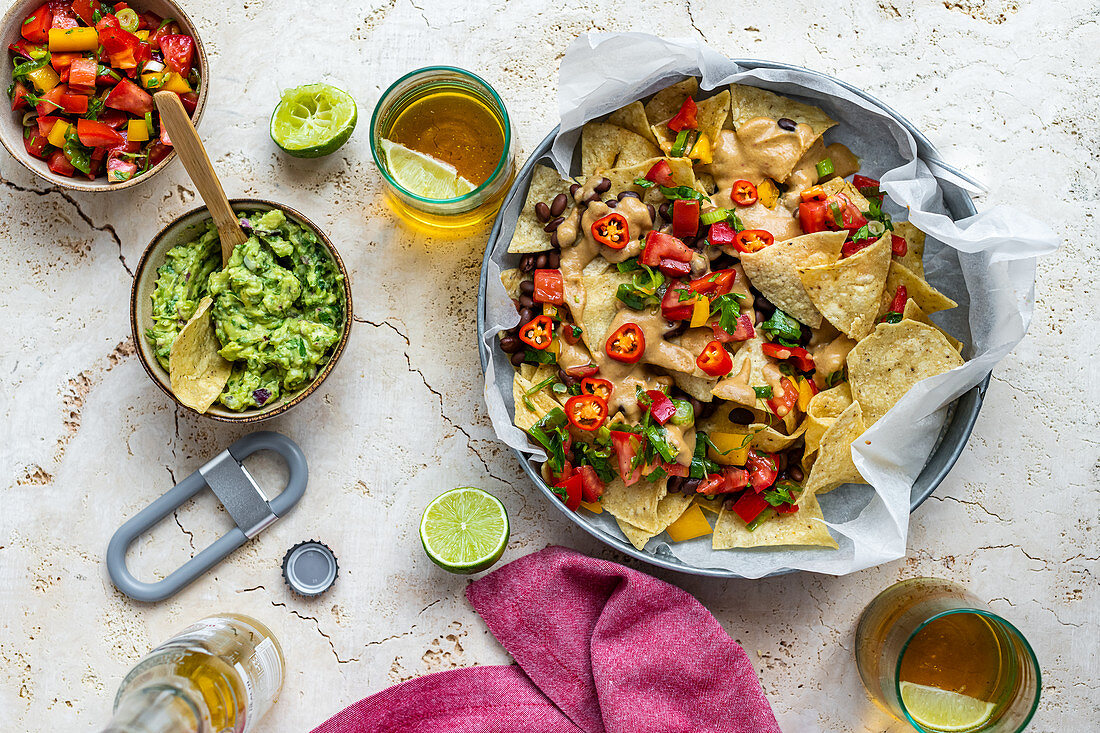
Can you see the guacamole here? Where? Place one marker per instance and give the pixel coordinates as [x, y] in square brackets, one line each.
[278, 305]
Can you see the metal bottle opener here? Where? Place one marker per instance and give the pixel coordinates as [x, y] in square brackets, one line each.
[239, 494]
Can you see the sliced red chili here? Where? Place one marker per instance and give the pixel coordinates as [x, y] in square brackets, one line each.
[570, 491]
[753, 240]
[685, 118]
[900, 296]
[660, 173]
[784, 403]
[762, 470]
[659, 246]
[599, 387]
[802, 358]
[592, 487]
[611, 230]
[627, 344]
[744, 193]
[586, 411]
[685, 217]
[715, 360]
[549, 287]
[660, 406]
[538, 332]
[898, 245]
[714, 284]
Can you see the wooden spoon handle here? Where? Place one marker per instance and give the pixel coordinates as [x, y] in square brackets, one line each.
[189, 147]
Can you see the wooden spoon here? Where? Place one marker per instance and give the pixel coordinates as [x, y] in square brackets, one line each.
[190, 150]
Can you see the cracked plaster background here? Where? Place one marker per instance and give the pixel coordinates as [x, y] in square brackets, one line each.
[1000, 86]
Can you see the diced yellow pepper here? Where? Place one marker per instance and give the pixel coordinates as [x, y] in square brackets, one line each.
[700, 312]
[137, 131]
[67, 40]
[555, 346]
[594, 507]
[57, 133]
[691, 524]
[768, 193]
[44, 79]
[701, 150]
[549, 309]
[142, 35]
[805, 394]
[176, 83]
[730, 449]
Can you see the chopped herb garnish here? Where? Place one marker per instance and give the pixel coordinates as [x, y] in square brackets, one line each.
[534, 356]
[728, 309]
[782, 328]
[644, 183]
[683, 192]
[763, 393]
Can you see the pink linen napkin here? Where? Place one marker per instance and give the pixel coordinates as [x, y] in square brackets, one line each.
[601, 648]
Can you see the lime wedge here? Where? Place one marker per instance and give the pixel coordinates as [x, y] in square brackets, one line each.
[941, 710]
[313, 120]
[422, 174]
[464, 530]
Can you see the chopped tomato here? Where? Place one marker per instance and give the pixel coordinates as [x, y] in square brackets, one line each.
[855, 245]
[898, 245]
[685, 118]
[170, 29]
[715, 360]
[626, 446]
[591, 486]
[586, 411]
[23, 47]
[736, 478]
[36, 29]
[749, 506]
[660, 406]
[784, 403]
[120, 167]
[685, 217]
[190, 102]
[722, 234]
[900, 296]
[19, 94]
[538, 332]
[129, 97]
[753, 240]
[82, 73]
[627, 344]
[94, 134]
[60, 165]
[744, 193]
[45, 124]
[549, 287]
[612, 230]
[660, 173]
[660, 246]
[59, 99]
[714, 284]
[178, 51]
[802, 358]
[570, 491]
[598, 387]
[158, 152]
[86, 10]
[713, 484]
[580, 372]
[36, 145]
[864, 182]
[63, 18]
[61, 61]
[743, 332]
[107, 21]
[114, 118]
[762, 470]
[678, 301]
[834, 214]
[116, 41]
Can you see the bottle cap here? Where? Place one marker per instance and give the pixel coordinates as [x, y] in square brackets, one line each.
[309, 568]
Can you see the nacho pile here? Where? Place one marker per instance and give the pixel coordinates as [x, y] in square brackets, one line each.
[711, 312]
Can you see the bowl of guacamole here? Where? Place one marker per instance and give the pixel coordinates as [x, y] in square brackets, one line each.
[280, 307]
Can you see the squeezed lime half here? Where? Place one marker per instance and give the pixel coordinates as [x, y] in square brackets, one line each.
[464, 530]
[313, 120]
[422, 174]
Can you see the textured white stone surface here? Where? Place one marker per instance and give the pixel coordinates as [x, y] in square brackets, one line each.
[1006, 88]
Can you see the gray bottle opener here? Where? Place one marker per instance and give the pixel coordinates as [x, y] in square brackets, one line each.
[236, 490]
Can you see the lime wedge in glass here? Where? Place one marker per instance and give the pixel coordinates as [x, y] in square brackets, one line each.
[941, 710]
[422, 174]
[464, 530]
[313, 120]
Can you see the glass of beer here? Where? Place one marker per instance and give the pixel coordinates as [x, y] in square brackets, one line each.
[442, 140]
[933, 654]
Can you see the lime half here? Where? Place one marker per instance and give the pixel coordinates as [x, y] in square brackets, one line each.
[313, 120]
[464, 530]
[422, 174]
[942, 710]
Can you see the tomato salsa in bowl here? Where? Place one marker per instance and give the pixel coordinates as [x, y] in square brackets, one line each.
[80, 88]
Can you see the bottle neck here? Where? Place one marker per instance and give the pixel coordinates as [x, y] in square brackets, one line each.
[156, 708]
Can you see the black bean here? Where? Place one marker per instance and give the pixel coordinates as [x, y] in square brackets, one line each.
[795, 473]
[676, 330]
[764, 307]
[527, 287]
[558, 204]
[573, 189]
[525, 315]
[594, 196]
[553, 260]
[628, 194]
[663, 211]
[542, 211]
[540, 261]
[566, 378]
[604, 185]
[517, 358]
[509, 344]
[787, 123]
[554, 240]
[553, 224]
[780, 461]
[612, 203]
[527, 263]
[741, 416]
[696, 406]
[526, 301]
[674, 484]
[691, 485]
[707, 410]
[805, 336]
[689, 241]
[652, 212]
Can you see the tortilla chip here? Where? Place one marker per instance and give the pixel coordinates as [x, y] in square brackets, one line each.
[705, 182]
[848, 292]
[883, 366]
[748, 102]
[601, 281]
[542, 402]
[815, 428]
[914, 313]
[607, 146]
[770, 440]
[774, 271]
[197, 371]
[712, 504]
[802, 528]
[747, 373]
[924, 295]
[511, 279]
[833, 186]
[710, 114]
[529, 236]
[913, 259]
[633, 118]
[622, 179]
[668, 101]
[830, 402]
[669, 509]
[698, 387]
[834, 466]
[636, 505]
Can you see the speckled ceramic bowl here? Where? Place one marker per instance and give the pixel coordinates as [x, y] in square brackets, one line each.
[184, 229]
[11, 128]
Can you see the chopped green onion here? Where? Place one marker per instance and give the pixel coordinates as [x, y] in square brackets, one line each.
[714, 216]
[680, 146]
[761, 518]
[149, 123]
[838, 219]
[876, 228]
[685, 413]
[673, 193]
[128, 19]
[628, 265]
[825, 168]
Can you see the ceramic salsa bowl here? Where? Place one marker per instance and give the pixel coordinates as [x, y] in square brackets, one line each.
[11, 128]
[185, 229]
